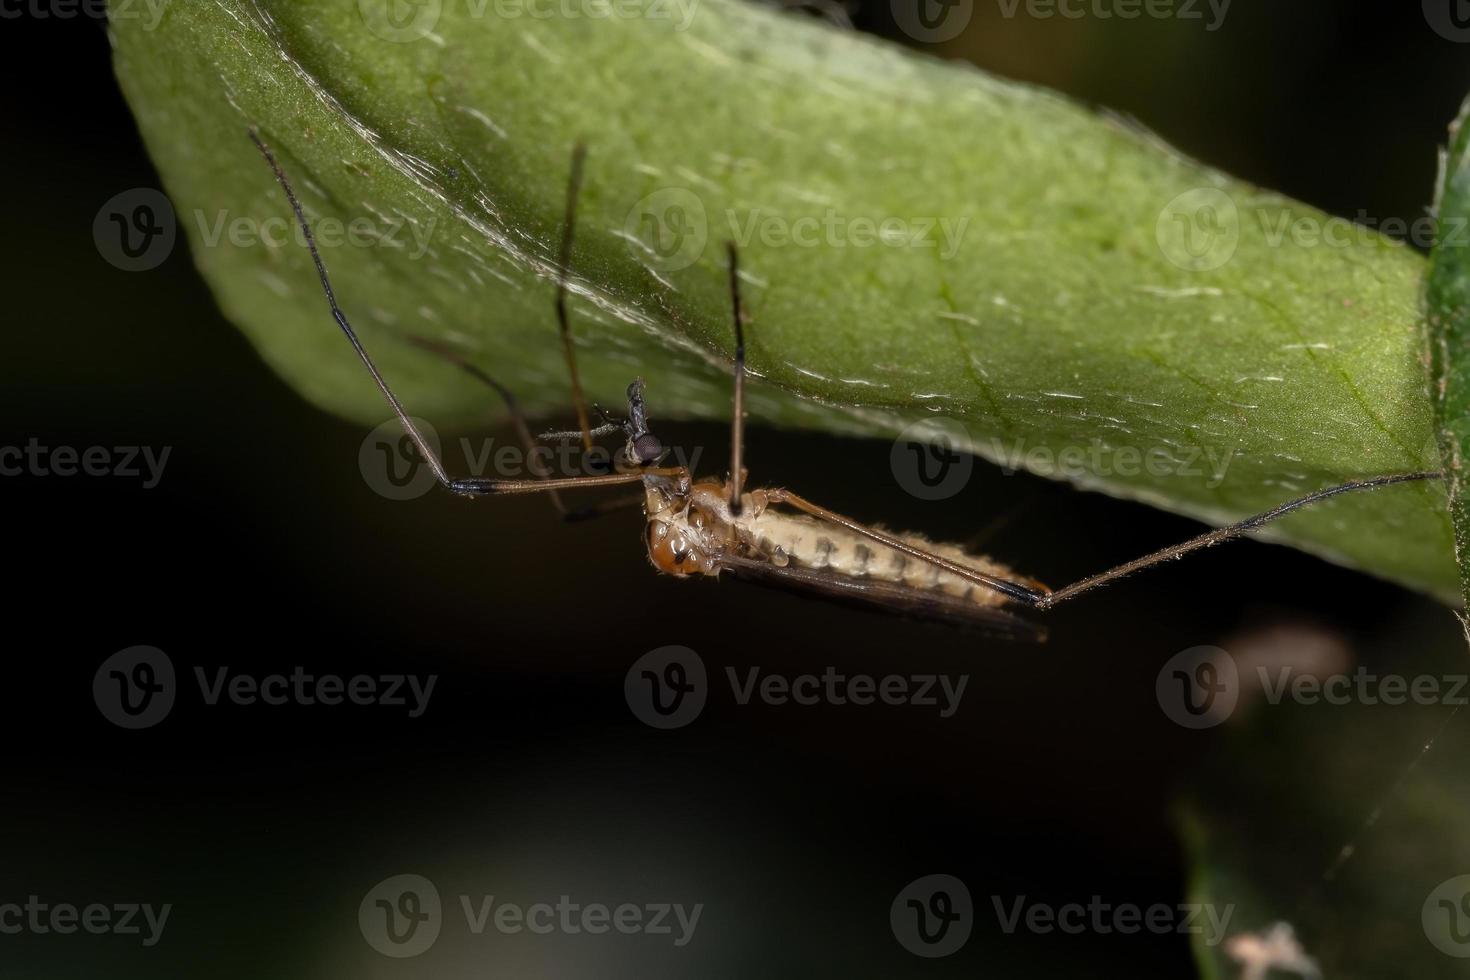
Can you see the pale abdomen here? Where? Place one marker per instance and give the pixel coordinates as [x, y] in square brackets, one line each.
[795, 539]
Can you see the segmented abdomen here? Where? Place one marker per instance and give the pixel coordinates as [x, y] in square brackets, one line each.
[799, 540]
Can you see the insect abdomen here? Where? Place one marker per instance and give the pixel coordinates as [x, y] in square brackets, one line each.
[802, 541]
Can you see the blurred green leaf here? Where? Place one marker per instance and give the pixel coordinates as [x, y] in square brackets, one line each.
[1333, 800]
[923, 244]
[1448, 319]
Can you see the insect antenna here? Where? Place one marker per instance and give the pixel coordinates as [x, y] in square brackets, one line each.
[563, 272]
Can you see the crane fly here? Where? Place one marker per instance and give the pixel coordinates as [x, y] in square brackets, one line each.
[707, 527]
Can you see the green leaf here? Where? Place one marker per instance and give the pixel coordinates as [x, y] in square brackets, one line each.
[1099, 309]
[1447, 288]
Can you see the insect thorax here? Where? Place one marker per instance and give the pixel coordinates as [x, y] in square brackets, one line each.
[688, 526]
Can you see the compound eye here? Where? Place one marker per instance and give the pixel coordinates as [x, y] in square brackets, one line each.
[647, 448]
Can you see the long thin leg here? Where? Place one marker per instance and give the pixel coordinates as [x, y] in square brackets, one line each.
[1045, 599]
[737, 423]
[563, 272]
[1224, 534]
[464, 487]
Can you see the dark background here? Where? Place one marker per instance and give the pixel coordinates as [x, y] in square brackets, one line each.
[528, 777]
